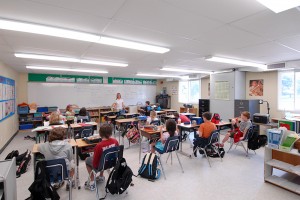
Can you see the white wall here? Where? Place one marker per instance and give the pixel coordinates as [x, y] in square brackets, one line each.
[269, 93]
[204, 88]
[10, 125]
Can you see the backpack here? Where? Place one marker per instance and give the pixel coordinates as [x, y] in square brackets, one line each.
[41, 189]
[23, 167]
[20, 158]
[216, 155]
[132, 134]
[149, 168]
[257, 141]
[216, 118]
[119, 179]
[12, 154]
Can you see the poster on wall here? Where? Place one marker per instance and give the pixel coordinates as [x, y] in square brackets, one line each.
[7, 97]
[222, 90]
[174, 90]
[256, 87]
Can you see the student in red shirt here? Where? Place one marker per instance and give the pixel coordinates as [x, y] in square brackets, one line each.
[183, 118]
[105, 133]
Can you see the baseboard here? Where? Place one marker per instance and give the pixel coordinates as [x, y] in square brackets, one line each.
[7, 143]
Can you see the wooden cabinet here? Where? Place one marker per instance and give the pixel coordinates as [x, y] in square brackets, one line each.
[285, 161]
[188, 110]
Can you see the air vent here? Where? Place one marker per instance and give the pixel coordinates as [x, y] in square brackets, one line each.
[277, 66]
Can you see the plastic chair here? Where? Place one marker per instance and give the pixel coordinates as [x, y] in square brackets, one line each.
[212, 140]
[86, 131]
[57, 170]
[248, 135]
[155, 122]
[171, 145]
[108, 160]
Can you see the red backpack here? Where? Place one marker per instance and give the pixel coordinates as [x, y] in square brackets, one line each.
[216, 118]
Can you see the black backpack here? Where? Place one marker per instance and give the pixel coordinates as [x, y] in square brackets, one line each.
[119, 179]
[257, 141]
[41, 188]
[149, 168]
[12, 154]
[24, 164]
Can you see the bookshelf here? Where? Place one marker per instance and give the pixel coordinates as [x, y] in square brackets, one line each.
[288, 162]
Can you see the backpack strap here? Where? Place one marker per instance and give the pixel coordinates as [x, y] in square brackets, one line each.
[145, 162]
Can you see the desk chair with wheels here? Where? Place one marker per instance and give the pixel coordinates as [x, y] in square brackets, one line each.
[248, 135]
[171, 145]
[212, 140]
[57, 171]
[107, 161]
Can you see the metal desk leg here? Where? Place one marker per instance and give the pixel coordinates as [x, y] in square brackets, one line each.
[77, 180]
[140, 152]
[180, 148]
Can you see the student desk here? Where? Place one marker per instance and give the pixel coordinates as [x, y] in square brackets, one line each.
[186, 127]
[122, 123]
[169, 111]
[35, 151]
[105, 113]
[80, 143]
[129, 115]
[169, 117]
[189, 115]
[151, 135]
[221, 124]
[42, 129]
[160, 112]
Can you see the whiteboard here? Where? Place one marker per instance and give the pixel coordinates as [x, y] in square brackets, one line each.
[88, 95]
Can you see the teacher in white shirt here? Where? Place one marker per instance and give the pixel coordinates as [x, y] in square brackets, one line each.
[119, 104]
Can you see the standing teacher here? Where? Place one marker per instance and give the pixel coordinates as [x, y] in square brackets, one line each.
[119, 104]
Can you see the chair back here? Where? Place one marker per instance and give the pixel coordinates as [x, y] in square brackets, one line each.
[172, 144]
[86, 131]
[214, 137]
[110, 157]
[155, 122]
[249, 133]
[56, 169]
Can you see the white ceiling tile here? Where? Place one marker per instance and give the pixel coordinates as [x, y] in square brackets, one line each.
[160, 16]
[40, 44]
[271, 25]
[225, 11]
[103, 8]
[51, 15]
[293, 41]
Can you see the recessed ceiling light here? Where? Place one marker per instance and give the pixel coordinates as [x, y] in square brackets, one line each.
[66, 59]
[184, 70]
[236, 62]
[67, 69]
[77, 35]
[278, 6]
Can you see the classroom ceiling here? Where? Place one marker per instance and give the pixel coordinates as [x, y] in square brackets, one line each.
[191, 29]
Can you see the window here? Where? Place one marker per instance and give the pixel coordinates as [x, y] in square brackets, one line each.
[289, 91]
[189, 91]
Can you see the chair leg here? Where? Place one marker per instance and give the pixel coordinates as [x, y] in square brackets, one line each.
[70, 188]
[246, 150]
[162, 168]
[206, 157]
[179, 162]
[168, 157]
[230, 147]
[171, 159]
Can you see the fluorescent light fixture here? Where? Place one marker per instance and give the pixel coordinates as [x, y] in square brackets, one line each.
[47, 30]
[278, 6]
[158, 75]
[66, 59]
[184, 70]
[67, 69]
[236, 62]
[132, 45]
[77, 35]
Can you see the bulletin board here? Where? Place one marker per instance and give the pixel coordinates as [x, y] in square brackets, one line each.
[7, 98]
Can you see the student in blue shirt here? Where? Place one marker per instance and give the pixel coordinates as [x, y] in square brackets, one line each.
[158, 108]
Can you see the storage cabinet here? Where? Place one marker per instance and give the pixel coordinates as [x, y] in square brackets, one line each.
[8, 186]
[285, 161]
[251, 106]
[203, 106]
[188, 110]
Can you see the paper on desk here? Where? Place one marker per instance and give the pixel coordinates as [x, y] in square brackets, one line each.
[40, 128]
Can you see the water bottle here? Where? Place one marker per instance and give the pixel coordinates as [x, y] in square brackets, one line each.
[75, 120]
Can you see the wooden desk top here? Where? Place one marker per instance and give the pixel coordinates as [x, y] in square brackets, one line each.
[160, 112]
[120, 121]
[223, 124]
[81, 143]
[35, 146]
[49, 128]
[112, 117]
[150, 133]
[169, 110]
[128, 114]
[188, 114]
[182, 125]
[170, 116]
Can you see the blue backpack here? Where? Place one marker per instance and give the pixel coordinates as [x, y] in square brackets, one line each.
[149, 168]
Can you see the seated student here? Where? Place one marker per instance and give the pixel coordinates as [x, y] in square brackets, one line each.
[243, 127]
[70, 114]
[171, 127]
[105, 133]
[152, 117]
[158, 108]
[55, 119]
[83, 115]
[205, 131]
[183, 118]
[56, 148]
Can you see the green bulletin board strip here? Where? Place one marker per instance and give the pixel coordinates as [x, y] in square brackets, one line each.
[56, 78]
[131, 81]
